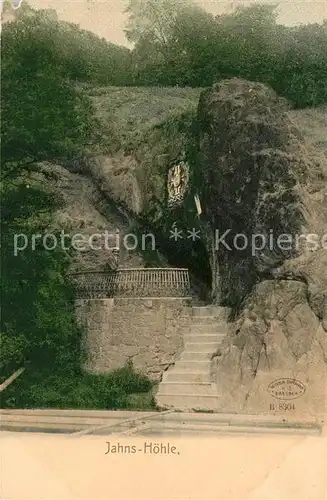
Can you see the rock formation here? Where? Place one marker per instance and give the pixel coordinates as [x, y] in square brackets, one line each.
[262, 178]
[260, 169]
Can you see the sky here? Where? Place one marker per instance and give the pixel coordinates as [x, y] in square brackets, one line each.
[106, 18]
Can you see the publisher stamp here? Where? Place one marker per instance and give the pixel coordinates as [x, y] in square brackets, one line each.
[285, 390]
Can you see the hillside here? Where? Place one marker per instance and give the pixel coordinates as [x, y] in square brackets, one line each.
[96, 138]
[122, 184]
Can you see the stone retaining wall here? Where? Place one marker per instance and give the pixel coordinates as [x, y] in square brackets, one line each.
[147, 331]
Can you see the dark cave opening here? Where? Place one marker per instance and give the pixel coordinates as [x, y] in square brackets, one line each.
[192, 255]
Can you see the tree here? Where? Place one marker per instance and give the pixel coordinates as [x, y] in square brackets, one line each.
[153, 20]
[165, 34]
[44, 117]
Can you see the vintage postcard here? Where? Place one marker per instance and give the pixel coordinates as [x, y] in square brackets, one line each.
[164, 250]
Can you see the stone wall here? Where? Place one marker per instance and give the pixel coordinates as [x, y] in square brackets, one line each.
[149, 332]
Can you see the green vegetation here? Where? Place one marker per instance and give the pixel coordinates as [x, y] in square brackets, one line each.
[39, 38]
[45, 118]
[120, 389]
[65, 92]
[38, 328]
[178, 43]
[127, 116]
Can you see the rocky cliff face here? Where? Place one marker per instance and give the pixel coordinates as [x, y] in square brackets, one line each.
[264, 180]
[121, 184]
[256, 175]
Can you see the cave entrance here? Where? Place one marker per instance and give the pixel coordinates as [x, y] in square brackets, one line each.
[193, 256]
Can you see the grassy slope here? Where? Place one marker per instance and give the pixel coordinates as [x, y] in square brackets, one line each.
[129, 113]
[133, 111]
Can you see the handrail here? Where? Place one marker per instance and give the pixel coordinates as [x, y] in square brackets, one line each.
[132, 282]
[131, 269]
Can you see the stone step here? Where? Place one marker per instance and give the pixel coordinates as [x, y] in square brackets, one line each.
[212, 311]
[203, 320]
[188, 401]
[210, 328]
[195, 356]
[225, 429]
[209, 347]
[186, 376]
[221, 312]
[192, 388]
[199, 366]
[203, 337]
[202, 311]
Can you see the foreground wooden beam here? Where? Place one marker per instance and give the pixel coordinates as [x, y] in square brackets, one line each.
[11, 379]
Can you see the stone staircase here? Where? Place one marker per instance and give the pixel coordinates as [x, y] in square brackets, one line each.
[187, 385]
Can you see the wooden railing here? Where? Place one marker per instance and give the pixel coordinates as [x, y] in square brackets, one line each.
[137, 282]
